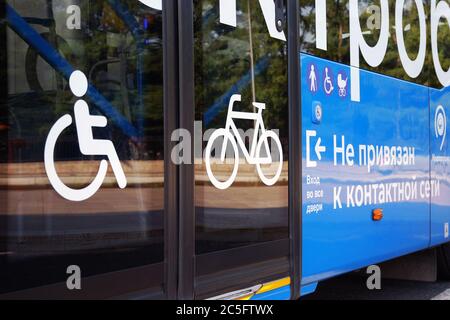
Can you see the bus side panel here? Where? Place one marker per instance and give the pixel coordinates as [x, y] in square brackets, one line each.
[339, 233]
[440, 164]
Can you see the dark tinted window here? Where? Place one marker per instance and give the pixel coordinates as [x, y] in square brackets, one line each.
[370, 20]
[246, 61]
[118, 46]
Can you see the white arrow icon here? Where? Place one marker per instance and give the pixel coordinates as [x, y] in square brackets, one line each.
[318, 149]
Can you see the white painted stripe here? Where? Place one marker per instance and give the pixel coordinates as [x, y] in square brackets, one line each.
[228, 12]
[155, 4]
[355, 85]
[268, 9]
[321, 24]
[442, 296]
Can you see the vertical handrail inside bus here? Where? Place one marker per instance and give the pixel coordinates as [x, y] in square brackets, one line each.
[222, 101]
[123, 13]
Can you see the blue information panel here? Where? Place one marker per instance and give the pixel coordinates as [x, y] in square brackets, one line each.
[364, 156]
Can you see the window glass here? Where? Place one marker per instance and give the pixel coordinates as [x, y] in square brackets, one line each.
[443, 44]
[117, 45]
[338, 36]
[241, 64]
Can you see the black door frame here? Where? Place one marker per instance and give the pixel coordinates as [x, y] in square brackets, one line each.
[295, 147]
[186, 186]
[178, 179]
[170, 61]
[179, 112]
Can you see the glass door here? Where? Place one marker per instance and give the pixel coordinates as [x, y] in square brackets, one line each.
[240, 184]
[83, 174]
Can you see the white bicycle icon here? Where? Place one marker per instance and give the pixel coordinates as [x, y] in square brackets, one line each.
[231, 134]
[88, 145]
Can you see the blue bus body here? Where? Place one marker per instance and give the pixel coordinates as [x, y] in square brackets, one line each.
[439, 169]
[391, 113]
[375, 173]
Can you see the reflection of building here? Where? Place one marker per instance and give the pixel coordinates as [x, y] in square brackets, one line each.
[123, 71]
[17, 50]
[36, 224]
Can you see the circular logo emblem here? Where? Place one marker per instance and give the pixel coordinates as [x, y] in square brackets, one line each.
[318, 112]
[440, 125]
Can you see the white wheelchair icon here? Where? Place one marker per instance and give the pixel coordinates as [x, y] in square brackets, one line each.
[88, 145]
[328, 83]
[231, 134]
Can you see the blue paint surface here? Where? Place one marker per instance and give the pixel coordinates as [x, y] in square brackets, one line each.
[282, 293]
[391, 113]
[440, 163]
[308, 289]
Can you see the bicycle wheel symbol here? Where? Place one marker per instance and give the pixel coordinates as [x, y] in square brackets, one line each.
[226, 134]
[269, 181]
